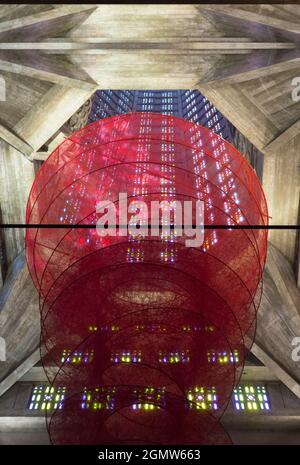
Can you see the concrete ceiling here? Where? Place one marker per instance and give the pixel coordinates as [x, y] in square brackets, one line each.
[242, 57]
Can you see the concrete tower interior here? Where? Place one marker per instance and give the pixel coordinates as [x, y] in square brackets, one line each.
[231, 68]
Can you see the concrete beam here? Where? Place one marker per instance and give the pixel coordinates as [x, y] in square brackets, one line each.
[19, 324]
[273, 366]
[16, 178]
[15, 141]
[230, 45]
[281, 181]
[241, 112]
[256, 17]
[44, 16]
[23, 368]
[258, 373]
[66, 75]
[282, 420]
[13, 423]
[287, 419]
[43, 155]
[278, 321]
[281, 374]
[297, 259]
[250, 373]
[283, 138]
[259, 64]
[50, 114]
[282, 275]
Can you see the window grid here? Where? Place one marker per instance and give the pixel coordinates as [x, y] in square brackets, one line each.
[223, 357]
[251, 398]
[99, 398]
[46, 397]
[126, 356]
[190, 105]
[245, 398]
[77, 357]
[175, 357]
[149, 398]
[202, 398]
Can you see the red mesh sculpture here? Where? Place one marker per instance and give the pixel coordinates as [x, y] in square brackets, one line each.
[148, 336]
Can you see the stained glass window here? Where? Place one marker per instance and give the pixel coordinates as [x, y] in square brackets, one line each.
[188, 104]
[180, 356]
[251, 398]
[99, 398]
[202, 398]
[223, 357]
[246, 398]
[46, 397]
[126, 356]
[77, 356]
[149, 398]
